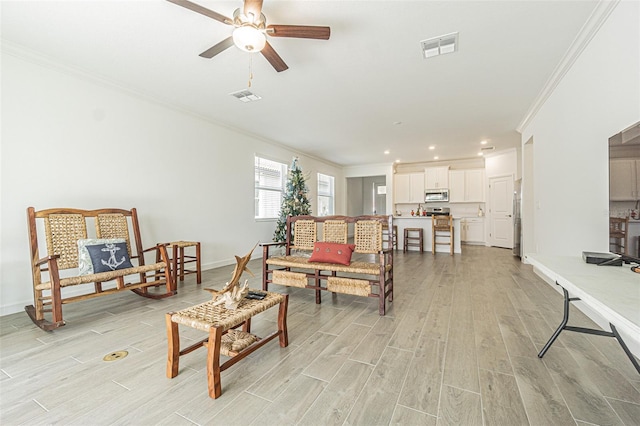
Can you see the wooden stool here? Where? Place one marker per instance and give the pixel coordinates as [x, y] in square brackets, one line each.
[220, 323]
[179, 259]
[442, 227]
[412, 240]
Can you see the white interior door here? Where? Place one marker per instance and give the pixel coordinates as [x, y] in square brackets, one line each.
[500, 210]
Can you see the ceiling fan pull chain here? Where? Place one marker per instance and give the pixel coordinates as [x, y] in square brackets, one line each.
[250, 70]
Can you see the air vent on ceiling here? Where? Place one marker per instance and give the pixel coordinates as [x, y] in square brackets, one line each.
[245, 96]
[487, 148]
[439, 45]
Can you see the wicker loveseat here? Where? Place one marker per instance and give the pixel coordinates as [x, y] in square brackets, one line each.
[59, 268]
[368, 274]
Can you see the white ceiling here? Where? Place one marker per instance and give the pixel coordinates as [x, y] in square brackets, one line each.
[340, 98]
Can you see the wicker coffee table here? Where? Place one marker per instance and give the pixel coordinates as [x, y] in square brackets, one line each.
[223, 338]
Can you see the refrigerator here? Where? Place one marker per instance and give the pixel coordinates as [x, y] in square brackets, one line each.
[517, 218]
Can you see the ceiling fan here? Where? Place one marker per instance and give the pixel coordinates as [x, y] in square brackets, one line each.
[250, 31]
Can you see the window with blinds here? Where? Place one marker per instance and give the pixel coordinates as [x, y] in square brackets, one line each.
[270, 180]
[325, 195]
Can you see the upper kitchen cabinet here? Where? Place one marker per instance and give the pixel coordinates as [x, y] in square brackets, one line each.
[624, 179]
[409, 188]
[436, 177]
[466, 186]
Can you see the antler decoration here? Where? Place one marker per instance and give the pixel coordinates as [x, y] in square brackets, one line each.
[231, 294]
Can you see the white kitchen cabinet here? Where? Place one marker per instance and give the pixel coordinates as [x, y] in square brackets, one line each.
[624, 179]
[456, 186]
[436, 177]
[466, 186]
[472, 230]
[409, 188]
[474, 186]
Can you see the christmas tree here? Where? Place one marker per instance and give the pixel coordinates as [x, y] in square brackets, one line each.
[295, 201]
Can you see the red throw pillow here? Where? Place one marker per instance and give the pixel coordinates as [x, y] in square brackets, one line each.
[332, 253]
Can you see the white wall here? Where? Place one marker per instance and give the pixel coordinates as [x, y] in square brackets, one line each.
[70, 141]
[598, 97]
[501, 163]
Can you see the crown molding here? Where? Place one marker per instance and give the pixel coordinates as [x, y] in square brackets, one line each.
[23, 53]
[590, 28]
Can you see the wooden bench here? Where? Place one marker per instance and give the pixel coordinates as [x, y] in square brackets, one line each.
[61, 228]
[369, 274]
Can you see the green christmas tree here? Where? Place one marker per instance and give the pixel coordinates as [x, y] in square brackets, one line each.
[295, 201]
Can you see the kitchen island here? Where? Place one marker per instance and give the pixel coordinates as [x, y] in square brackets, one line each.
[424, 222]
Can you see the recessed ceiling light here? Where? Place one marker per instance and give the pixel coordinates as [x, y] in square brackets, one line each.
[397, 161]
[432, 147]
[436, 157]
[483, 142]
[387, 151]
[480, 154]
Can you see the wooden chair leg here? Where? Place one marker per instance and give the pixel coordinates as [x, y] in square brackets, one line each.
[213, 362]
[181, 263]
[173, 352]
[198, 265]
[282, 322]
[56, 294]
[174, 261]
[451, 243]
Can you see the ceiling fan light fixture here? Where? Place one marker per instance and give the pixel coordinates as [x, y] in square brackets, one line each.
[249, 38]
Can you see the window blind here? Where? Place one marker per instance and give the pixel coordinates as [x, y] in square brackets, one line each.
[270, 179]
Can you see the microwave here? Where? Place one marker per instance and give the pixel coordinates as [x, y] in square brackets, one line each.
[436, 196]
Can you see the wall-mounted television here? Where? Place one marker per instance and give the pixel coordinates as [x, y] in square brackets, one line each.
[624, 190]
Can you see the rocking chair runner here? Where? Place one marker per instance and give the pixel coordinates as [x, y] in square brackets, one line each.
[62, 229]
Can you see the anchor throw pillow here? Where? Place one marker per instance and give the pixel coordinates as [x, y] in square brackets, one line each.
[102, 255]
[332, 253]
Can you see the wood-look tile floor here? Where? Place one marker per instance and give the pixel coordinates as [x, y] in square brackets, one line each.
[458, 346]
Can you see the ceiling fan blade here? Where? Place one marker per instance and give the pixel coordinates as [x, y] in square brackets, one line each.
[203, 11]
[213, 51]
[299, 31]
[274, 59]
[253, 7]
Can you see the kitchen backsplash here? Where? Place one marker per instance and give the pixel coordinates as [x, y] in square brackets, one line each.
[457, 210]
[621, 208]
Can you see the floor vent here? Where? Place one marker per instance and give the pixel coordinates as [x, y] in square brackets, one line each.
[115, 356]
[439, 45]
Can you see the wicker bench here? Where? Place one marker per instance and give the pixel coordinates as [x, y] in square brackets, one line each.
[61, 229]
[369, 274]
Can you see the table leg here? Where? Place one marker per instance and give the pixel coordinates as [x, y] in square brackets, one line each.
[213, 362]
[563, 326]
[173, 352]
[624, 347]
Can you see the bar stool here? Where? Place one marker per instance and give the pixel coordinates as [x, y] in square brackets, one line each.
[179, 259]
[394, 237]
[413, 240]
[391, 240]
[442, 228]
[618, 235]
